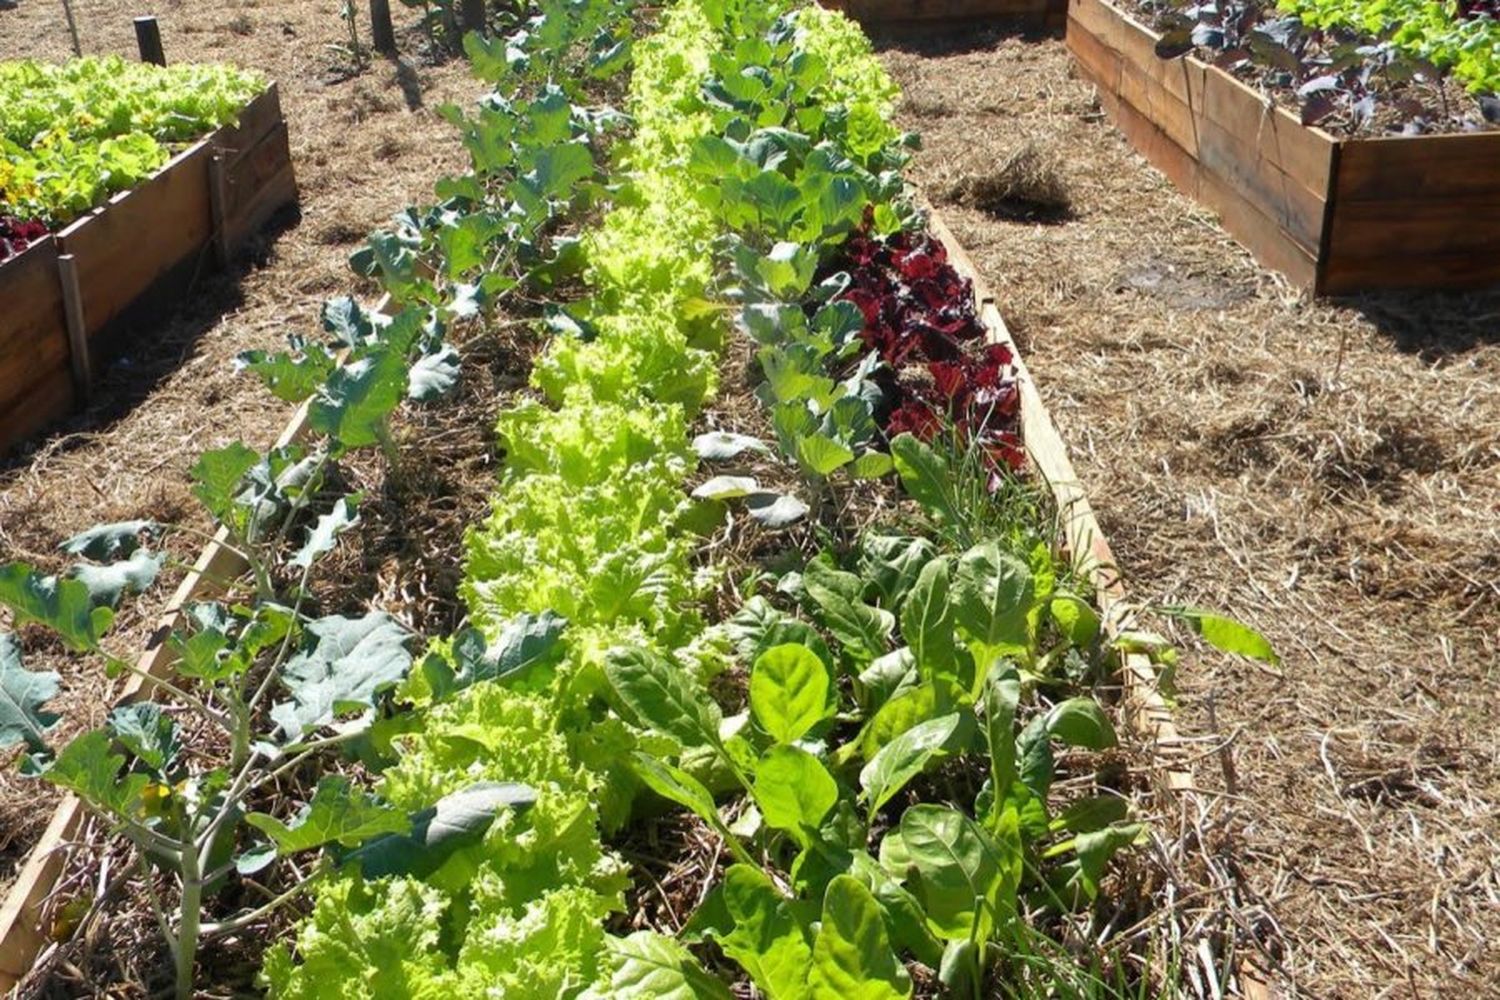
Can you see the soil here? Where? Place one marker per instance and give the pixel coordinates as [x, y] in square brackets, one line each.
[364, 143]
[1326, 471]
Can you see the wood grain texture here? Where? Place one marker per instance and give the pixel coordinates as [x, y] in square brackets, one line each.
[1415, 212]
[36, 378]
[1262, 172]
[140, 236]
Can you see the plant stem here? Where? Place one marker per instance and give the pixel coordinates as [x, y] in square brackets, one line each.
[186, 951]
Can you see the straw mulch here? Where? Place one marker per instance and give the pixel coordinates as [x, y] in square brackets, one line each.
[1329, 472]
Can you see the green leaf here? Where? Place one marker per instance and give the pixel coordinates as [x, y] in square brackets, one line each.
[22, 694]
[852, 956]
[434, 375]
[217, 476]
[906, 756]
[648, 964]
[1095, 850]
[661, 695]
[1002, 696]
[524, 640]
[89, 769]
[863, 630]
[148, 733]
[789, 691]
[324, 535]
[1075, 619]
[927, 622]
[924, 475]
[107, 584]
[64, 606]
[291, 377]
[1227, 635]
[355, 400]
[1091, 814]
[1080, 722]
[965, 878]
[104, 542]
[457, 819]
[872, 465]
[763, 934]
[337, 814]
[676, 785]
[892, 564]
[344, 668]
[821, 455]
[794, 790]
[993, 594]
[903, 711]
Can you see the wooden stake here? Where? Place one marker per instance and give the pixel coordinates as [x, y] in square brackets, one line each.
[218, 197]
[148, 40]
[382, 34]
[72, 27]
[78, 331]
[473, 15]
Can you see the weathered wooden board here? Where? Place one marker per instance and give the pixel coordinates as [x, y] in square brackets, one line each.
[139, 238]
[36, 381]
[1263, 172]
[1419, 211]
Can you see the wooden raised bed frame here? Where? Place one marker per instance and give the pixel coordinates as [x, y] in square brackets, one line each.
[25, 911]
[70, 299]
[1337, 216]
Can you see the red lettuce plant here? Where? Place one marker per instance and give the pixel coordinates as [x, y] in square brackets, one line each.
[16, 235]
[920, 317]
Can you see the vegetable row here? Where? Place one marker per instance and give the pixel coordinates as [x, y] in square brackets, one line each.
[871, 717]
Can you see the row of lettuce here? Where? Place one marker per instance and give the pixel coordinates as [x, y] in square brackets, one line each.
[73, 134]
[759, 142]
[892, 697]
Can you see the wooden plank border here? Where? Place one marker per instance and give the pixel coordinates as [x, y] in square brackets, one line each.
[1336, 215]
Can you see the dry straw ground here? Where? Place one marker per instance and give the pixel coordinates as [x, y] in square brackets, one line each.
[364, 146]
[1329, 472]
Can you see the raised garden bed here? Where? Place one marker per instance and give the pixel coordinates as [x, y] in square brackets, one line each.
[71, 297]
[1336, 215]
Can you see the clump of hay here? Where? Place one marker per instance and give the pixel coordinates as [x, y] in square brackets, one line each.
[1028, 185]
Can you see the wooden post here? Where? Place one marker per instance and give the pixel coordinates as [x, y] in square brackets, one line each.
[72, 27]
[78, 332]
[148, 40]
[218, 197]
[473, 15]
[381, 32]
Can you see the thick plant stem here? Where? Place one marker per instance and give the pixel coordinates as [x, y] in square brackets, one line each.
[186, 952]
